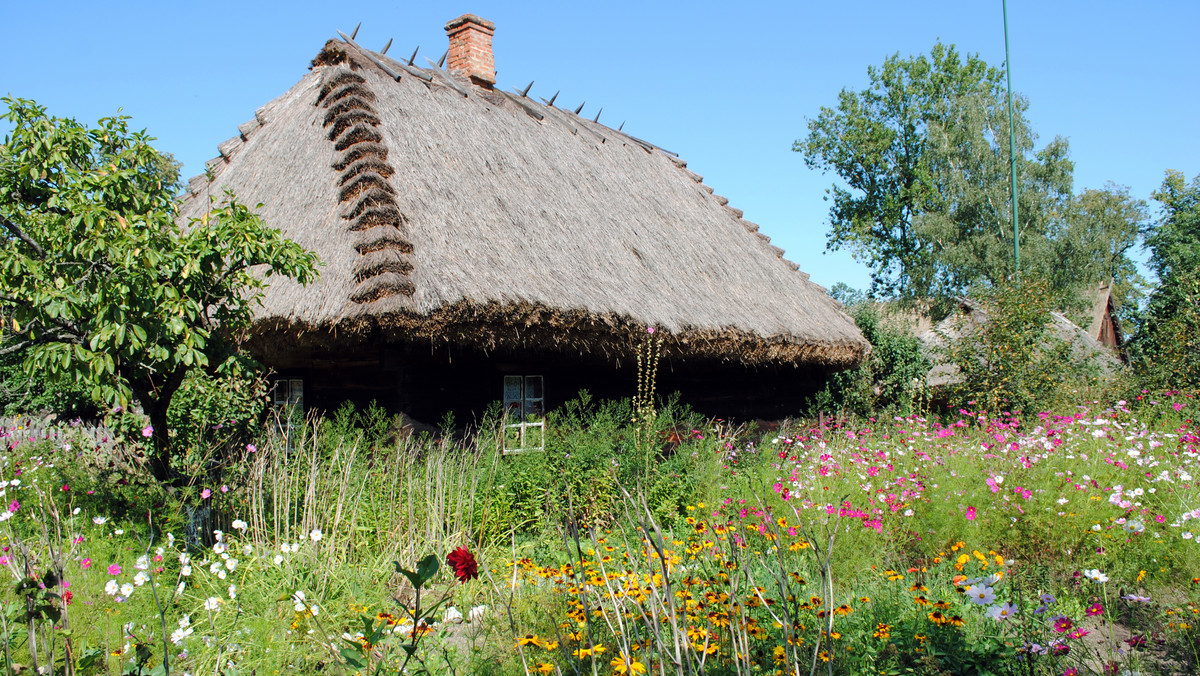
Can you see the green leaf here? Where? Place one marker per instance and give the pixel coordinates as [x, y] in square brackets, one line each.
[427, 568]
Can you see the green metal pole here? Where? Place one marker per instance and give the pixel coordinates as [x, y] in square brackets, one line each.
[1012, 148]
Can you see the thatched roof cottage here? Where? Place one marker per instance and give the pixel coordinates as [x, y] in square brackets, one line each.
[469, 233]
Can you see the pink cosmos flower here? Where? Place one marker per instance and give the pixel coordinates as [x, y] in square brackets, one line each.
[970, 514]
[204, 494]
[147, 431]
[86, 563]
[114, 570]
[1094, 609]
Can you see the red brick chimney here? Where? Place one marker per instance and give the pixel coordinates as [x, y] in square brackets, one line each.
[471, 49]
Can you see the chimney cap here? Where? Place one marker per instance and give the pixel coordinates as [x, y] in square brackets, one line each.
[470, 18]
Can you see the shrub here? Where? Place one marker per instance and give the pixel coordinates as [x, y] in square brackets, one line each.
[891, 378]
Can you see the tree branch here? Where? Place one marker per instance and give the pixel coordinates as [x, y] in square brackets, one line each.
[20, 234]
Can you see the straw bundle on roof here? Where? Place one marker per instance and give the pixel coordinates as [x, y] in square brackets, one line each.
[444, 211]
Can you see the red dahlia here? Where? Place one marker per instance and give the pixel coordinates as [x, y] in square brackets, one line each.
[463, 563]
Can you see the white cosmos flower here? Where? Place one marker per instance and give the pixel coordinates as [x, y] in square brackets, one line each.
[111, 587]
[278, 559]
[315, 535]
[99, 520]
[141, 578]
[1095, 576]
[142, 563]
[186, 571]
[126, 589]
[212, 604]
[238, 524]
[233, 591]
[981, 595]
[231, 564]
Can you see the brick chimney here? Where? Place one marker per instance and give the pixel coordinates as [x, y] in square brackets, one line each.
[471, 49]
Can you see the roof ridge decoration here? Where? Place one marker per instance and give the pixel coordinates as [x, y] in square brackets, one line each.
[366, 195]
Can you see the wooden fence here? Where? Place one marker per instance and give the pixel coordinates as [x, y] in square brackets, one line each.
[20, 429]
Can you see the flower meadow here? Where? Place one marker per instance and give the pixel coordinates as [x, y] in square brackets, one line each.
[1064, 542]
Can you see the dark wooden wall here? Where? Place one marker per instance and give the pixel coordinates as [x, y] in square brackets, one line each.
[426, 383]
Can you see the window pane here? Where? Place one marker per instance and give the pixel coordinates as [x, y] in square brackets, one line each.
[296, 394]
[534, 410]
[533, 387]
[512, 438]
[533, 436]
[512, 389]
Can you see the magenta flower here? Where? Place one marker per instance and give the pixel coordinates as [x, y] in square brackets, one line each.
[86, 563]
[970, 514]
[114, 570]
[14, 506]
[1094, 609]
[147, 431]
[205, 493]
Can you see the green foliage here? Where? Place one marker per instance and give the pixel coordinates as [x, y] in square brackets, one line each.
[592, 450]
[1167, 347]
[24, 393]
[101, 286]
[892, 378]
[922, 154]
[1009, 356]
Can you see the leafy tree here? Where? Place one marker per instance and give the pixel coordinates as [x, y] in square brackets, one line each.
[100, 283]
[1169, 340]
[923, 155]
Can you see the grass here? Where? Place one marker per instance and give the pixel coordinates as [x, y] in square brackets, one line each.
[969, 544]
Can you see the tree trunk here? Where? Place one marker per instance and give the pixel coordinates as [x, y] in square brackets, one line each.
[155, 402]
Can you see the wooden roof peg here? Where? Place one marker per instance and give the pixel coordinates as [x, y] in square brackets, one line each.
[622, 125]
[580, 107]
[597, 118]
[354, 33]
[386, 47]
[525, 91]
[442, 60]
[551, 101]
[414, 55]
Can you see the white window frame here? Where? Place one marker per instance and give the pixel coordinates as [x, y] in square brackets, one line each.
[285, 401]
[523, 413]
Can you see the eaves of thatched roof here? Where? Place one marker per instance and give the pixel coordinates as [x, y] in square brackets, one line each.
[445, 211]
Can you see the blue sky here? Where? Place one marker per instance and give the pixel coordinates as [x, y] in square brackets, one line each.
[726, 85]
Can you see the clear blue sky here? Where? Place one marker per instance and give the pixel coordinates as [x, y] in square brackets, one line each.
[727, 85]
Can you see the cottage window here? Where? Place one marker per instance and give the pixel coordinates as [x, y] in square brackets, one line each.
[287, 399]
[524, 414]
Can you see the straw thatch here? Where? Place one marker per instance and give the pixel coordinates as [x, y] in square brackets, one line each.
[970, 318]
[443, 211]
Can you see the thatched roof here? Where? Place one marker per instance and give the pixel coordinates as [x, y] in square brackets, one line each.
[971, 317]
[444, 211]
